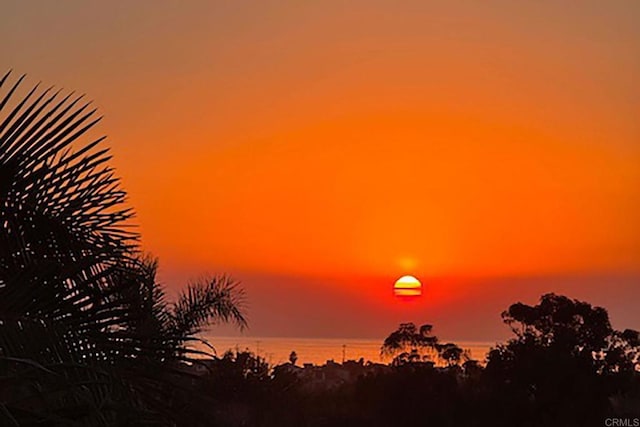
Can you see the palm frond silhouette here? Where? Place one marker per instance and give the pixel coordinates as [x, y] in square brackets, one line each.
[84, 324]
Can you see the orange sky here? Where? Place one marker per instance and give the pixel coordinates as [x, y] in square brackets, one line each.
[318, 151]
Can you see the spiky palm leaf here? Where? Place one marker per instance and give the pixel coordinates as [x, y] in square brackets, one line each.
[164, 330]
[62, 222]
[63, 238]
[217, 297]
[85, 329]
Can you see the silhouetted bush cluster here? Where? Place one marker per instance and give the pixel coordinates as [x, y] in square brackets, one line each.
[565, 366]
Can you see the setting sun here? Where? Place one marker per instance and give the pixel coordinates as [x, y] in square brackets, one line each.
[407, 286]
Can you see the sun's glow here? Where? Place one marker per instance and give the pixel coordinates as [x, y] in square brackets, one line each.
[407, 286]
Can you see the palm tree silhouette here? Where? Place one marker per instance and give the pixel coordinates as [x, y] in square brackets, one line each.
[80, 307]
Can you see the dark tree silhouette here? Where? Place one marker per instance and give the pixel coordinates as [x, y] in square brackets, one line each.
[452, 354]
[80, 310]
[574, 328]
[408, 344]
[557, 367]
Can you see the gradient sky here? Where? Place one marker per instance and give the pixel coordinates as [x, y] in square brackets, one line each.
[319, 150]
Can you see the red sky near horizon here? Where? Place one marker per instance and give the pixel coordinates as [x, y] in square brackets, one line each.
[320, 150]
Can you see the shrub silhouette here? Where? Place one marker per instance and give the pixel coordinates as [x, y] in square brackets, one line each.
[564, 363]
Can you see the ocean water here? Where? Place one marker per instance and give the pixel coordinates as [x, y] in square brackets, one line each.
[319, 350]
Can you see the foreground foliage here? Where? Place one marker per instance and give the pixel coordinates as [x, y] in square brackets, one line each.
[87, 336]
[565, 366]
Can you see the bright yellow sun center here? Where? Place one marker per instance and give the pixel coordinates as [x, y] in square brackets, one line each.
[407, 286]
